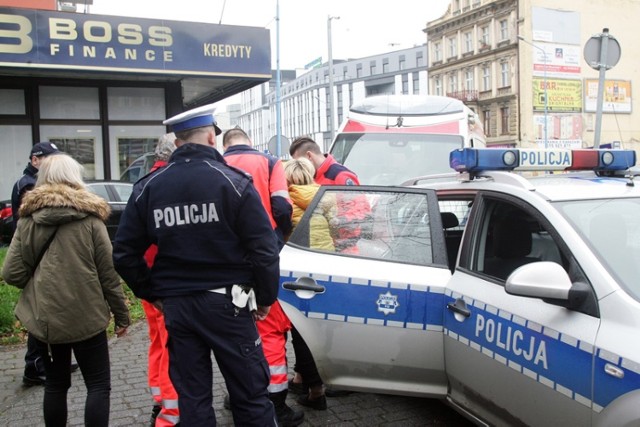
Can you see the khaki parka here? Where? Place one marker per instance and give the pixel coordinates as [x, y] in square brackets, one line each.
[70, 295]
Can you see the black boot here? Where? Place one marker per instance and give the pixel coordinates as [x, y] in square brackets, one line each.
[286, 416]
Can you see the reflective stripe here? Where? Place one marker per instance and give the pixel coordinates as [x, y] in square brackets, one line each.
[277, 388]
[170, 403]
[277, 370]
[281, 193]
[173, 419]
[155, 391]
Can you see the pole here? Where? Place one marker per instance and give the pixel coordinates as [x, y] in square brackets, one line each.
[331, 109]
[278, 100]
[544, 82]
[602, 68]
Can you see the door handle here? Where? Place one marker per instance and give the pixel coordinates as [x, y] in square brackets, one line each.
[459, 307]
[304, 284]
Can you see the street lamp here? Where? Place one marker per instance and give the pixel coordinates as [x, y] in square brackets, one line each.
[330, 122]
[546, 102]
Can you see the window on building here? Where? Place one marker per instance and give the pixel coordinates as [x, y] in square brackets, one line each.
[416, 84]
[437, 85]
[453, 47]
[385, 65]
[504, 120]
[504, 29]
[469, 83]
[437, 51]
[505, 75]
[405, 84]
[419, 59]
[486, 77]
[453, 82]
[372, 68]
[402, 64]
[468, 42]
[486, 122]
[484, 36]
[359, 70]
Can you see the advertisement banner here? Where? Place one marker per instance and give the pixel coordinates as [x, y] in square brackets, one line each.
[616, 97]
[563, 95]
[57, 40]
[557, 60]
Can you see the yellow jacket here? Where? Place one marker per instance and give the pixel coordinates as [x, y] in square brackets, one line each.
[320, 236]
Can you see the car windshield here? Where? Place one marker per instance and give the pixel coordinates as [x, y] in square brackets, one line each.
[612, 228]
[392, 158]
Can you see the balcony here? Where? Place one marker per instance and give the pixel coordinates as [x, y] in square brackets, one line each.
[464, 95]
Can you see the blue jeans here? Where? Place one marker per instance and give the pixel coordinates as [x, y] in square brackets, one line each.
[92, 356]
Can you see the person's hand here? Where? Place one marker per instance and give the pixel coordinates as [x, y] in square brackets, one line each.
[158, 304]
[120, 331]
[261, 312]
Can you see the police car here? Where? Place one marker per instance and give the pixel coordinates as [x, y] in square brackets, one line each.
[514, 295]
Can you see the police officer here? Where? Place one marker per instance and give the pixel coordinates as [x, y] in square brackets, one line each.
[217, 260]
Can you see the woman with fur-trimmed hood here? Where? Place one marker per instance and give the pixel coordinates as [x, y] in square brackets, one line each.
[68, 296]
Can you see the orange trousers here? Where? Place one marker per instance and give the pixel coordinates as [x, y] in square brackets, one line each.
[273, 331]
[162, 390]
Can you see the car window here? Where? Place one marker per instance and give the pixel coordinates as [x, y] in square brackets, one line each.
[123, 191]
[611, 227]
[387, 226]
[100, 190]
[509, 237]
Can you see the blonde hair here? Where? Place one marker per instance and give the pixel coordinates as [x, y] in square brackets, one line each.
[60, 169]
[299, 171]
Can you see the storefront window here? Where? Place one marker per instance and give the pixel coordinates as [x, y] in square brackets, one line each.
[15, 146]
[12, 102]
[131, 149]
[61, 102]
[130, 103]
[83, 143]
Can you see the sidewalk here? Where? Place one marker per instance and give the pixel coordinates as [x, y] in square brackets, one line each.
[131, 402]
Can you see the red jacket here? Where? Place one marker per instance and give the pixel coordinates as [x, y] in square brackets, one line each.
[331, 172]
[270, 182]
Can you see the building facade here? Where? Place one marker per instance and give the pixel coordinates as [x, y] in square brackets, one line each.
[520, 64]
[100, 86]
[304, 100]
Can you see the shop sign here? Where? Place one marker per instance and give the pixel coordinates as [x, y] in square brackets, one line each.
[58, 40]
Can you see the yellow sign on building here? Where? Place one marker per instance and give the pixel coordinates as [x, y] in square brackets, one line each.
[563, 95]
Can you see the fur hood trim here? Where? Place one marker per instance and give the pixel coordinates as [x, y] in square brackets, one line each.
[64, 196]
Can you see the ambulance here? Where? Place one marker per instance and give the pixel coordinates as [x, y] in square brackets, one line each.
[387, 139]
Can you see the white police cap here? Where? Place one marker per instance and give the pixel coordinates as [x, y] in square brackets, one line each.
[195, 118]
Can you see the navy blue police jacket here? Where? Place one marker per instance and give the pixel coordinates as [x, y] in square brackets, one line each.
[209, 225]
[24, 184]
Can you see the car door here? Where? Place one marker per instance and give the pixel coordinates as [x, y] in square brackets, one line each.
[513, 360]
[362, 279]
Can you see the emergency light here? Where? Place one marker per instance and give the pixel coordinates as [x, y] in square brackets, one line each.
[519, 159]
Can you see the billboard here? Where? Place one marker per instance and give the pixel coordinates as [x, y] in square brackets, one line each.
[57, 40]
[616, 97]
[563, 95]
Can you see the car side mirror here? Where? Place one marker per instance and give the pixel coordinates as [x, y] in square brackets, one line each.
[551, 283]
[544, 279]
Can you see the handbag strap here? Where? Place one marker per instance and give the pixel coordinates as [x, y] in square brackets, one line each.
[43, 250]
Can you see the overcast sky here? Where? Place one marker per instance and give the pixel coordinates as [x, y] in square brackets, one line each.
[364, 28]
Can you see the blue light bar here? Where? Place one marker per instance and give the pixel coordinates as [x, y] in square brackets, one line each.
[519, 159]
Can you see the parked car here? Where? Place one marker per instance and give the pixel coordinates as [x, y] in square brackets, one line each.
[516, 299]
[6, 222]
[138, 168]
[116, 193]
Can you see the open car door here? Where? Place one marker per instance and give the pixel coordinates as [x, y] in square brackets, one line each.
[362, 279]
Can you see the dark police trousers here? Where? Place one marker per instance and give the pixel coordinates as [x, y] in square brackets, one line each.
[206, 321]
